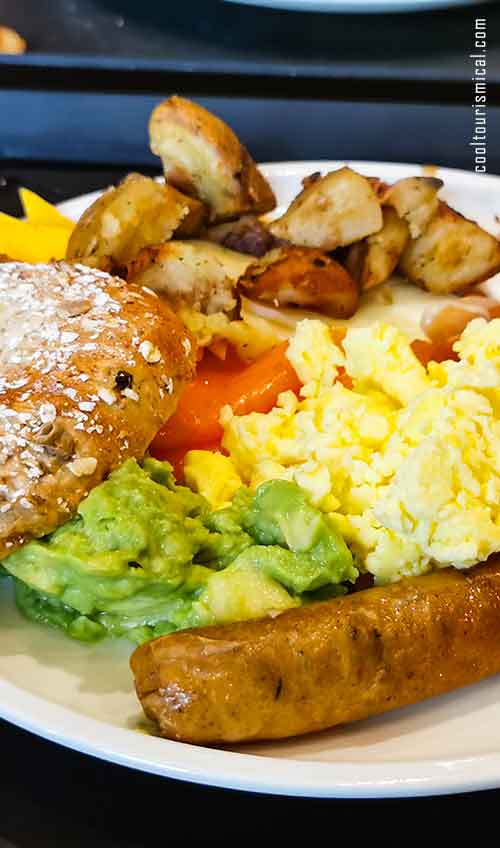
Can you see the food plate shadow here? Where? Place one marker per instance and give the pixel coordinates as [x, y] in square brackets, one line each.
[89, 665]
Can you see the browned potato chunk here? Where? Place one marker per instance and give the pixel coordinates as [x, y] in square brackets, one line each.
[415, 200]
[452, 254]
[137, 213]
[197, 273]
[305, 277]
[203, 157]
[373, 260]
[335, 210]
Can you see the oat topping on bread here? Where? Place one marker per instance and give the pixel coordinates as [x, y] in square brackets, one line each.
[90, 368]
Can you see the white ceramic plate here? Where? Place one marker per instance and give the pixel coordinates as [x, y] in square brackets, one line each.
[82, 696]
[355, 6]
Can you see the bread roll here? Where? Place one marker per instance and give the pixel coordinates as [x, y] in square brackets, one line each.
[90, 368]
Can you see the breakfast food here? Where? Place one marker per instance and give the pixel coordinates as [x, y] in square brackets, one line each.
[303, 461]
[326, 664]
[138, 213]
[202, 157]
[362, 228]
[331, 211]
[144, 557]
[372, 260]
[451, 254]
[68, 416]
[415, 200]
[302, 276]
[196, 274]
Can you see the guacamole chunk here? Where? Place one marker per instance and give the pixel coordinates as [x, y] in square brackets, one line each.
[144, 556]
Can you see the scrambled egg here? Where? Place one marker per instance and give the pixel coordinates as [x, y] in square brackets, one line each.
[407, 462]
[213, 476]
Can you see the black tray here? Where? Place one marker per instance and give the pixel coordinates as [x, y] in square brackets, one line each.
[219, 48]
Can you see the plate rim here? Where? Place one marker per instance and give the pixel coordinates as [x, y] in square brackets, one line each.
[294, 167]
[238, 771]
[354, 6]
[221, 768]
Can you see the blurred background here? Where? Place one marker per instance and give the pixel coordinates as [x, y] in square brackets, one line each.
[294, 85]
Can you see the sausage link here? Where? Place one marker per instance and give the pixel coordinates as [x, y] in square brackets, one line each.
[326, 664]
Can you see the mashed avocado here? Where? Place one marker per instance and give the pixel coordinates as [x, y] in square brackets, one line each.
[144, 556]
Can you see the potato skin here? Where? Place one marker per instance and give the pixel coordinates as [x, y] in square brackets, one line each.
[326, 664]
[204, 158]
[331, 211]
[415, 199]
[196, 273]
[373, 260]
[305, 277]
[137, 213]
[452, 254]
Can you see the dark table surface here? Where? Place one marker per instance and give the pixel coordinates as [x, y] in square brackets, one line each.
[51, 797]
[226, 47]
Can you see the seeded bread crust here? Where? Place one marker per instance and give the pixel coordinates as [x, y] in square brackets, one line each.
[90, 368]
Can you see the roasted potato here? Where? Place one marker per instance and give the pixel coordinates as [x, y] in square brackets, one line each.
[415, 200]
[452, 254]
[305, 277]
[203, 157]
[197, 273]
[137, 213]
[335, 210]
[372, 260]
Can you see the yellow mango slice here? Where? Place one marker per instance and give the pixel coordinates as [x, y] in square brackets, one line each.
[27, 242]
[40, 211]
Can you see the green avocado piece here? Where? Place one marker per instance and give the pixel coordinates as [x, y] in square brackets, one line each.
[130, 531]
[144, 556]
[243, 591]
[312, 552]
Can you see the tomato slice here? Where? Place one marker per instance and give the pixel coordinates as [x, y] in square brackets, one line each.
[438, 351]
[246, 388]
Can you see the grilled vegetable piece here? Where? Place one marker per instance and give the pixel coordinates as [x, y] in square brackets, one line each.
[415, 200]
[137, 213]
[302, 276]
[203, 157]
[28, 242]
[332, 211]
[452, 254]
[372, 260]
[326, 663]
[246, 235]
[195, 273]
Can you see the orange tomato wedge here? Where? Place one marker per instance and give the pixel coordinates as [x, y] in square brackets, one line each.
[246, 388]
[438, 351]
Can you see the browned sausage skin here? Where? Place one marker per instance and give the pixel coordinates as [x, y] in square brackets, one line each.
[326, 664]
